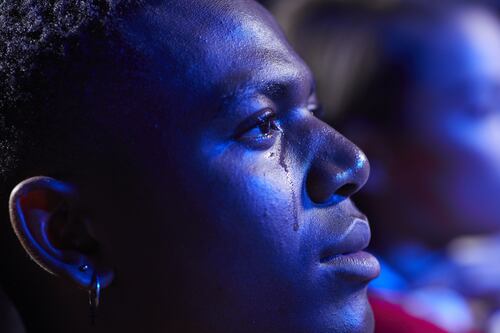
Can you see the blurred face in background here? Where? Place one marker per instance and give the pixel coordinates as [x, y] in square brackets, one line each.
[454, 117]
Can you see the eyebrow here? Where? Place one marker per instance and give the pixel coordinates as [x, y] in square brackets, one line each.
[273, 89]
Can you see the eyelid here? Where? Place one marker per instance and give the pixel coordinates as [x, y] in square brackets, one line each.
[253, 121]
[314, 106]
[317, 110]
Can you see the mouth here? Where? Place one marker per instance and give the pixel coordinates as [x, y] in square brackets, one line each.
[346, 256]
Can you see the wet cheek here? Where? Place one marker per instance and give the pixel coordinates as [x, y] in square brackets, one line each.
[253, 196]
[254, 179]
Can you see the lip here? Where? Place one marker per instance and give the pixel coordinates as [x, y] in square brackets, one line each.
[346, 256]
[358, 266]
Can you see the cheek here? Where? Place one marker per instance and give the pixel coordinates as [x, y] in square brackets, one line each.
[473, 148]
[245, 204]
[468, 179]
[249, 203]
[464, 144]
[252, 187]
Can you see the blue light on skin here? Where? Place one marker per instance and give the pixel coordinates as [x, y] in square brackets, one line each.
[199, 216]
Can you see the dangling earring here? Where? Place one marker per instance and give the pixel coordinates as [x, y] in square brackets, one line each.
[94, 296]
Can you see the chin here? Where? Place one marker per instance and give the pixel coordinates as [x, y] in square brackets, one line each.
[358, 317]
[361, 321]
[352, 315]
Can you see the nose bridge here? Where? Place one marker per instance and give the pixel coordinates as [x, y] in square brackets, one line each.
[338, 168]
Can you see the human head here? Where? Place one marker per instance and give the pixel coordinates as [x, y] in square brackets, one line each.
[182, 163]
[415, 85]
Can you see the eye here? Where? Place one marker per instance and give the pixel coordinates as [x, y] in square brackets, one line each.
[260, 128]
[264, 127]
[316, 109]
[314, 106]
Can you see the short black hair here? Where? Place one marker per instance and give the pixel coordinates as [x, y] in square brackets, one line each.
[39, 42]
[47, 51]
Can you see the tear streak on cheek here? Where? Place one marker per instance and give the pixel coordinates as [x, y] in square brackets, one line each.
[282, 162]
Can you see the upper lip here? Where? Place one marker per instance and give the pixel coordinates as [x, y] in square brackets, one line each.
[356, 238]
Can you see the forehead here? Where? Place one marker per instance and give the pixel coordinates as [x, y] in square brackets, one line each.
[213, 47]
[467, 49]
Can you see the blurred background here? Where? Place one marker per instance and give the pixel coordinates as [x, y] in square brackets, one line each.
[416, 84]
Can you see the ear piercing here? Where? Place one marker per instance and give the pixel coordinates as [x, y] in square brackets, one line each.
[94, 296]
[94, 292]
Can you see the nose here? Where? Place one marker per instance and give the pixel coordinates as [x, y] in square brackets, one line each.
[338, 170]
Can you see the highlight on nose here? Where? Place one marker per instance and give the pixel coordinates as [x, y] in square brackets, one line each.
[330, 181]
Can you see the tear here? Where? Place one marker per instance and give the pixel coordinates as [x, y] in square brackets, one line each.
[282, 163]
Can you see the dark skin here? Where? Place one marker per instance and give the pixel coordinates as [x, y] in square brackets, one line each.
[227, 210]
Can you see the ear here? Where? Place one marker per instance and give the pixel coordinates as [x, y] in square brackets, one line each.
[47, 222]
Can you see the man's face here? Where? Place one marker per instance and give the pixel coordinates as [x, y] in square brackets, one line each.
[457, 122]
[245, 219]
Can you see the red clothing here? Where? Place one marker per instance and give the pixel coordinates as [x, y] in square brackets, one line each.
[392, 318]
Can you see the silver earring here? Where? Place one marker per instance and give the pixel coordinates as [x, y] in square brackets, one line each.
[94, 296]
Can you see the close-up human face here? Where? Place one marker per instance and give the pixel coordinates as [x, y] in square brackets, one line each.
[456, 117]
[249, 226]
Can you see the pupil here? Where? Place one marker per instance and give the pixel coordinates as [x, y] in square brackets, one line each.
[265, 126]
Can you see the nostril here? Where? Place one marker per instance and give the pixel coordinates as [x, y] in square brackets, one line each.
[323, 192]
[347, 190]
[342, 193]
[329, 182]
[336, 175]
[322, 188]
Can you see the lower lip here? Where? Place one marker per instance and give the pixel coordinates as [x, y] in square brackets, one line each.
[359, 266]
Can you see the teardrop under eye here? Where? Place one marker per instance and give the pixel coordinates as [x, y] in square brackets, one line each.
[268, 125]
[260, 127]
[259, 131]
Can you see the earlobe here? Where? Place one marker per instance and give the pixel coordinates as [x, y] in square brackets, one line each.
[46, 221]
